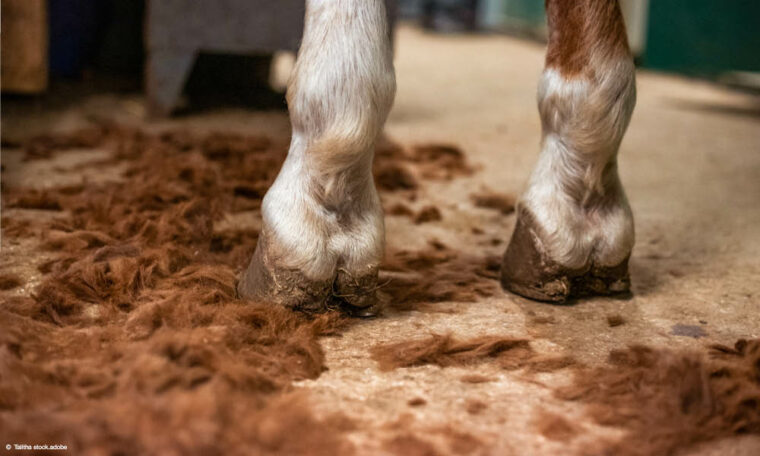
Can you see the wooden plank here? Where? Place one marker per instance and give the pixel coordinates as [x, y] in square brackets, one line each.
[24, 37]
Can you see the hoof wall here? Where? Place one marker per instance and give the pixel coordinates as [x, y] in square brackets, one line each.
[263, 280]
[527, 271]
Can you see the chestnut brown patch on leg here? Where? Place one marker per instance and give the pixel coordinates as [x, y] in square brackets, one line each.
[580, 29]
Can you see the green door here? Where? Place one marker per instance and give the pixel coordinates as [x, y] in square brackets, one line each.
[703, 37]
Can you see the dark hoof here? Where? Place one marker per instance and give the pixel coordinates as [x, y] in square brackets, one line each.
[362, 312]
[527, 271]
[357, 296]
[264, 281]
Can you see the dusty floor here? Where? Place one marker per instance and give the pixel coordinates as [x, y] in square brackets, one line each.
[691, 167]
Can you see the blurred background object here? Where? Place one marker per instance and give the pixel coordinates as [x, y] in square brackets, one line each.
[24, 46]
[444, 15]
[190, 54]
[177, 30]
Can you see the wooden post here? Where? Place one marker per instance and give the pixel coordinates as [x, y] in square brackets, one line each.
[24, 37]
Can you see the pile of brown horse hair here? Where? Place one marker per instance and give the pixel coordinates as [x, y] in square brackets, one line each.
[668, 401]
[135, 341]
[445, 351]
[665, 400]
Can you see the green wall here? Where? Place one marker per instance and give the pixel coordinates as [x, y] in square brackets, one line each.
[528, 12]
[703, 37]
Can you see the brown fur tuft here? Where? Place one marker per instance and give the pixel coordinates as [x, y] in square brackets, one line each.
[670, 401]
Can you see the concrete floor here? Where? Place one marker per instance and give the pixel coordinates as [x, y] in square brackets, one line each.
[690, 164]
